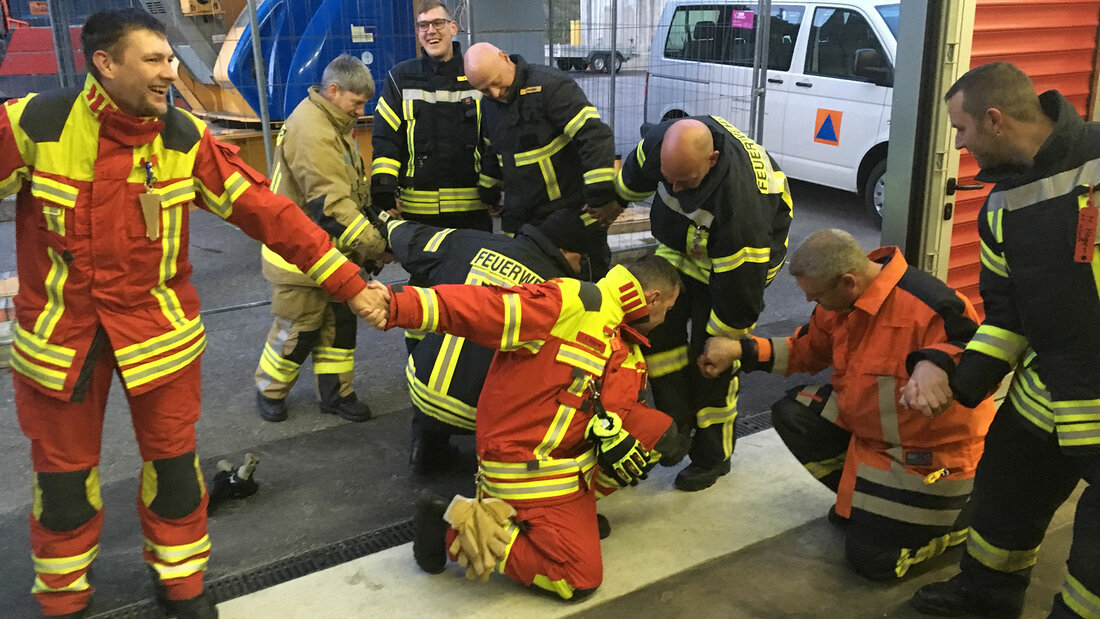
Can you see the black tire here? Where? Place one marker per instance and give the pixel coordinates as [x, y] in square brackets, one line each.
[598, 63]
[874, 192]
[618, 63]
[669, 115]
[564, 63]
[579, 64]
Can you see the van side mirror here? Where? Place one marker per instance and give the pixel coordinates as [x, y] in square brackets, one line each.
[871, 66]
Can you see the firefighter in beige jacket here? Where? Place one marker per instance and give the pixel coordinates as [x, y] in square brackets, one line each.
[317, 165]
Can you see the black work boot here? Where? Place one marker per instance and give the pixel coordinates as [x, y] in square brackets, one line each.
[348, 407]
[957, 598]
[696, 477]
[430, 532]
[835, 518]
[604, 526]
[270, 409]
[199, 607]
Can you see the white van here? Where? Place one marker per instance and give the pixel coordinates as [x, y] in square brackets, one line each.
[829, 83]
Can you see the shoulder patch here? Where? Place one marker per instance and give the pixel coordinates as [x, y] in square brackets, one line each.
[179, 133]
[590, 296]
[45, 114]
[530, 90]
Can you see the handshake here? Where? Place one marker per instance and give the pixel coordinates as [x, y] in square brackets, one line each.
[372, 304]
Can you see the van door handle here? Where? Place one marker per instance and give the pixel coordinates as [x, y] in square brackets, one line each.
[804, 84]
[774, 80]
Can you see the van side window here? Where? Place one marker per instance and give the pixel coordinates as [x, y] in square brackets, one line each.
[835, 35]
[722, 34]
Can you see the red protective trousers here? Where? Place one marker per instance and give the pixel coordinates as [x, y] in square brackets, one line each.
[66, 437]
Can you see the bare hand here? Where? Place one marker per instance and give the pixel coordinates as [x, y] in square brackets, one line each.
[605, 214]
[928, 390]
[494, 209]
[372, 304]
[718, 355]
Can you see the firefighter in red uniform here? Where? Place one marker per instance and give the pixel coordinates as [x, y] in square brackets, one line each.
[903, 480]
[105, 175]
[535, 416]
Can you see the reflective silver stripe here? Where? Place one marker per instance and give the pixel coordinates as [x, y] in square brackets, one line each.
[386, 112]
[439, 96]
[904, 513]
[1045, 188]
[780, 355]
[888, 416]
[444, 363]
[898, 478]
[1082, 601]
[700, 217]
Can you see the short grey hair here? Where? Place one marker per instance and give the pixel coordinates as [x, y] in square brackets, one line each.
[350, 74]
[826, 255]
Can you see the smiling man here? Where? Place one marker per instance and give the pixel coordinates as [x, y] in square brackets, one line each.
[104, 176]
[721, 216]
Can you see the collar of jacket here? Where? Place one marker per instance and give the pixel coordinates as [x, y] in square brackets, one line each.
[893, 267]
[621, 285]
[440, 66]
[1068, 127]
[116, 125]
[520, 80]
[340, 119]
[545, 246]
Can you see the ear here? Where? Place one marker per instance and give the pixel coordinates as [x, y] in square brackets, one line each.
[849, 281]
[103, 61]
[713, 159]
[651, 296]
[332, 90]
[995, 118]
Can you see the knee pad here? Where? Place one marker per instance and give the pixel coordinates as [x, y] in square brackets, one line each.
[172, 488]
[787, 414]
[66, 501]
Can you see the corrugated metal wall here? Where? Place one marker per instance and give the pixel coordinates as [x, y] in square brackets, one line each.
[1053, 42]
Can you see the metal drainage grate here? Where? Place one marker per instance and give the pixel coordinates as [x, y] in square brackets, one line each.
[236, 585]
[752, 424]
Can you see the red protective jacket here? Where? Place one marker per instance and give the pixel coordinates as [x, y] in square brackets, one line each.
[85, 257]
[904, 310]
[532, 414]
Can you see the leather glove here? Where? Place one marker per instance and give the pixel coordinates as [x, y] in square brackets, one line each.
[483, 535]
[618, 453]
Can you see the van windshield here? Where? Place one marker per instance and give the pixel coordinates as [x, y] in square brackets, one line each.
[889, 13]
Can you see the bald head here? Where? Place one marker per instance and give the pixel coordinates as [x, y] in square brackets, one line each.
[687, 154]
[490, 70]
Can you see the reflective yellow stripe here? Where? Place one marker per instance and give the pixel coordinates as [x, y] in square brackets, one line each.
[698, 270]
[515, 481]
[42, 350]
[998, 343]
[219, 203]
[444, 367]
[326, 266]
[55, 299]
[586, 114]
[933, 548]
[555, 432]
[560, 587]
[182, 570]
[182, 552]
[626, 192]
[437, 404]
[14, 181]
[429, 309]
[171, 226]
[47, 377]
[147, 372]
[1077, 411]
[1031, 399]
[329, 360]
[724, 413]
[759, 255]
[665, 363]
[410, 127]
[781, 354]
[53, 191]
[996, 558]
[352, 233]
[579, 357]
[639, 153]
[160, 344]
[64, 565]
[599, 175]
[385, 165]
[821, 468]
[80, 584]
[1080, 599]
[278, 367]
[277, 176]
[993, 261]
[513, 532]
[486, 181]
[235, 185]
[544, 152]
[513, 316]
[446, 200]
[178, 192]
[436, 241]
[386, 112]
[715, 326]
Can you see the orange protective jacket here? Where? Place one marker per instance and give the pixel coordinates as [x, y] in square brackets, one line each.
[90, 274]
[871, 350]
[534, 409]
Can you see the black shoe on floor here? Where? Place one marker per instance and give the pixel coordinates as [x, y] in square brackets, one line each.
[199, 607]
[835, 518]
[604, 525]
[955, 598]
[430, 532]
[271, 409]
[80, 614]
[694, 477]
[675, 448]
[430, 458]
[348, 407]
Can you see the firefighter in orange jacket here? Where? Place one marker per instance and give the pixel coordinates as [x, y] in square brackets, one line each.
[903, 480]
[555, 341]
[104, 176]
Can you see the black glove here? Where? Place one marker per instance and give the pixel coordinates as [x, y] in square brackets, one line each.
[618, 453]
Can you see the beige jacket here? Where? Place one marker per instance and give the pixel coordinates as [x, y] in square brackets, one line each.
[317, 157]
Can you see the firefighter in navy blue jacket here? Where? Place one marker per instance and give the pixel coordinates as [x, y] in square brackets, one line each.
[446, 372]
[1039, 279]
[720, 216]
[546, 147]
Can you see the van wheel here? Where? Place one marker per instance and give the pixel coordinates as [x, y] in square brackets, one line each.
[598, 63]
[874, 192]
[564, 64]
[669, 115]
[618, 63]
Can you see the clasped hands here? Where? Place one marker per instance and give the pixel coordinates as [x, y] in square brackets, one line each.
[372, 304]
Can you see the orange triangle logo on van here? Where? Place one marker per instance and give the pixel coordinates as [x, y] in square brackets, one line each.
[827, 127]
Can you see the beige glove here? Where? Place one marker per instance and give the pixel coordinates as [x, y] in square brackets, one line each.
[483, 535]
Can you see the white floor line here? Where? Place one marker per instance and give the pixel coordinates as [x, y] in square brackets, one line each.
[657, 531]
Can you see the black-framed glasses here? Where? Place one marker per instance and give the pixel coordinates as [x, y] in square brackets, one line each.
[436, 24]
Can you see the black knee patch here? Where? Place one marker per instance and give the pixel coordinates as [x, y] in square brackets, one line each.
[178, 490]
[65, 504]
[787, 416]
[307, 340]
[345, 324]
